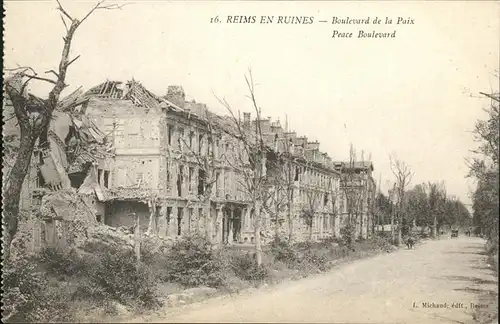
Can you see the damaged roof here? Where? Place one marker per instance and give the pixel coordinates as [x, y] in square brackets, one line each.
[355, 165]
[132, 91]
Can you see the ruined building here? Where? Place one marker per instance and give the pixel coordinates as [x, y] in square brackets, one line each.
[172, 162]
[359, 190]
[163, 166]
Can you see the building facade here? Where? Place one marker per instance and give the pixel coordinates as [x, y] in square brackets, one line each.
[178, 167]
[358, 192]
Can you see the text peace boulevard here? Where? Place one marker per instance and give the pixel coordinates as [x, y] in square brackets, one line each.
[343, 25]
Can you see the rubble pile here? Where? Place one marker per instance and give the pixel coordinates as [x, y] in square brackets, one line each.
[68, 205]
[135, 193]
[155, 244]
[99, 236]
[76, 218]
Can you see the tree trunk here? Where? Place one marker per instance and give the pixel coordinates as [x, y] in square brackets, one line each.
[434, 227]
[137, 238]
[13, 187]
[152, 218]
[311, 223]
[208, 220]
[258, 243]
[392, 227]
[334, 226]
[276, 222]
[400, 240]
[290, 221]
[361, 225]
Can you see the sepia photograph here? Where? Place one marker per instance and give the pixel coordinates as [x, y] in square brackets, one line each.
[182, 161]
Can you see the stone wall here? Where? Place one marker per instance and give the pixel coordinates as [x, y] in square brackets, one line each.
[129, 169]
[118, 213]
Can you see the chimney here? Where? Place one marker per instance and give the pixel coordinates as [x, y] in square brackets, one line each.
[176, 95]
[246, 119]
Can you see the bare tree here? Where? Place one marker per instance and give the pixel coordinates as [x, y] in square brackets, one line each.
[288, 175]
[436, 204]
[309, 209]
[352, 188]
[403, 174]
[275, 201]
[334, 197]
[282, 177]
[208, 166]
[34, 115]
[249, 159]
[484, 168]
[392, 198]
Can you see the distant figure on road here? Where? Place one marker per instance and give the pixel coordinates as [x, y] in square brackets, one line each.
[410, 243]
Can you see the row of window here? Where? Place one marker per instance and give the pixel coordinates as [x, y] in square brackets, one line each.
[178, 219]
[195, 178]
[309, 176]
[201, 144]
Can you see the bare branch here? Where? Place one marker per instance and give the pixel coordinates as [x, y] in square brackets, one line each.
[25, 84]
[100, 5]
[54, 72]
[69, 63]
[492, 97]
[64, 22]
[61, 9]
[23, 68]
[40, 78]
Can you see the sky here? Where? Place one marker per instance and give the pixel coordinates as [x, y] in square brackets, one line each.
[408, 96]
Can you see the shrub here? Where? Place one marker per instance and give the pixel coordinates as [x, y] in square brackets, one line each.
[314, 258]
[304, 245]
[245, 267]
[114, 273]
[30, 295]
[49, 293]
[192, 262]
[61, 262]
[347, 236]
[340, 251]
[282, 250]
[382, 243]
[154, 250]
[110, 273]
[330, 240]
[376, 243]
[23, 288]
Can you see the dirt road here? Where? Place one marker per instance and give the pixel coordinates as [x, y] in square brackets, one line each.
[388, 288]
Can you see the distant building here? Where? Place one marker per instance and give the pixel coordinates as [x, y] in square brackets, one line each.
[358, 190]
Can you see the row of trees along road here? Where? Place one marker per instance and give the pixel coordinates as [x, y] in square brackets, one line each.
[484, 169]
[425, 205]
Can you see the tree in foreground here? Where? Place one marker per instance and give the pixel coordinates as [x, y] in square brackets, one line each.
[354, 191]
[34, 115]
[248, 158]
[484, 168]
[403, 174]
